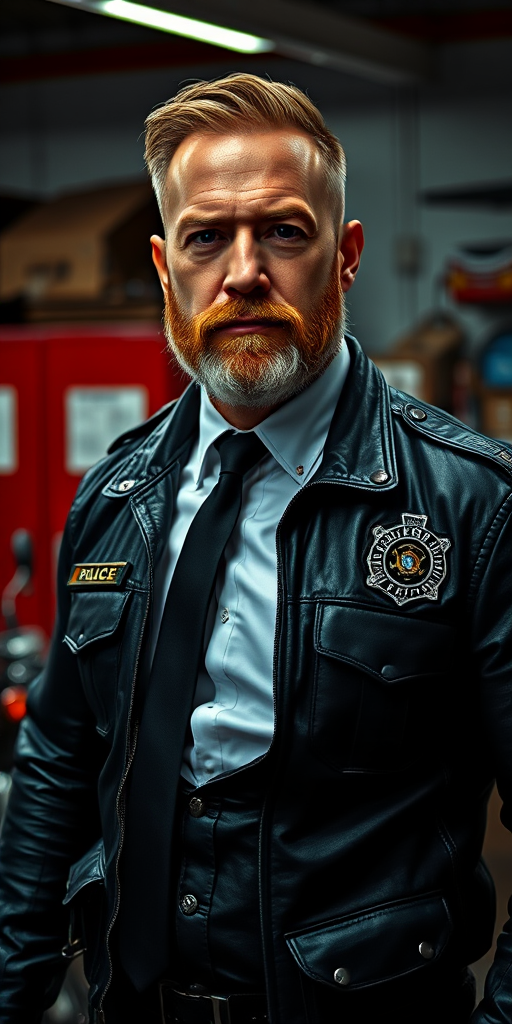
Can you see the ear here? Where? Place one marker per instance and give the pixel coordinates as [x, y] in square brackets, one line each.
[351, 247]
[159, 259]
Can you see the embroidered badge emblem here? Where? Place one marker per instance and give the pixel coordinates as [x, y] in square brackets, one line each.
[407, 561]
[101, 575]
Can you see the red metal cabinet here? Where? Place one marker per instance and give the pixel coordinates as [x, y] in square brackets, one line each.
[22, 462]
[65, 392]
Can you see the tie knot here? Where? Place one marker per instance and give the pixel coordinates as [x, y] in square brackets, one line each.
[239, 452]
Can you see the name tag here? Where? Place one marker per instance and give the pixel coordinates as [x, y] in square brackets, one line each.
[103, 575]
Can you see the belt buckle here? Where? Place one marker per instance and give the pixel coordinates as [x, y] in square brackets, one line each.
[218, 1002]
[218, 1016]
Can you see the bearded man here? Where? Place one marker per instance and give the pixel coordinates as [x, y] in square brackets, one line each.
[279, 688]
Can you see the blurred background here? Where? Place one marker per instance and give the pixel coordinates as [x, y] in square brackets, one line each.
[419, 93]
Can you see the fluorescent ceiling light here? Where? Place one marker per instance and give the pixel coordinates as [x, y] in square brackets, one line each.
[229, 38]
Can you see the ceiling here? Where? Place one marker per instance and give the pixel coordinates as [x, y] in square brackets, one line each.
[392, 8]
[33, 17]
[340, 36]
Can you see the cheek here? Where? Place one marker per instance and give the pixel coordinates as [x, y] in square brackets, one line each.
[195, 290]
[302, 283]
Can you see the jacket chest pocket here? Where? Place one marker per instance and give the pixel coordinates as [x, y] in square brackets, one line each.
[374, 683]
[95, 634]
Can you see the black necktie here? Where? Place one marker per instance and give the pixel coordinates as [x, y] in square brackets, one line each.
[145, 913]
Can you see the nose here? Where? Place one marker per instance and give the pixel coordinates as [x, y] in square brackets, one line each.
[246, 273]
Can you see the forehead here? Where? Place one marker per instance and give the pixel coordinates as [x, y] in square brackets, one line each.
[207, 169]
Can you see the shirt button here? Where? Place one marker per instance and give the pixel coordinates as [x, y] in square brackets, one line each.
[224, 615]
[197, 807]
[188, 905]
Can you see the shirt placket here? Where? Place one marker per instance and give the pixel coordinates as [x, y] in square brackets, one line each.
[196, 884]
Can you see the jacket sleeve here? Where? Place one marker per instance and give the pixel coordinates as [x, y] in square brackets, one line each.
[52, 819]
[492, 633]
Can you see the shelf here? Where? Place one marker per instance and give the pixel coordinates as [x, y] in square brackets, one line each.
[497, 195]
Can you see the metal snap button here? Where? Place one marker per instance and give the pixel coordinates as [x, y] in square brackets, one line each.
[197, 807]
[299, 470]
[81, 637]
[379, 477]
[427, 950]
[224, 615]
[188, 905]
[342, 976]
[126, 485]
[389, 671]
[417, 414]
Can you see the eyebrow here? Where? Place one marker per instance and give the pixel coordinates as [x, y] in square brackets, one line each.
[280, 213]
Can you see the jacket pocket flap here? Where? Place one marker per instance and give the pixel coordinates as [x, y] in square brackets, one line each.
[90, 868]
[377, 945]
[94, 617]
[393, 648]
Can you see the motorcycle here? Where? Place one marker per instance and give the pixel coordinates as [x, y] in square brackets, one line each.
[22, 654]
[22, 650]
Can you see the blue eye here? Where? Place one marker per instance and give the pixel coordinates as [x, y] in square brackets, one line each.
[206, 237]
[287, 231]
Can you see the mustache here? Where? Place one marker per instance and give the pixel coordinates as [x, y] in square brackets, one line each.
[271, 314]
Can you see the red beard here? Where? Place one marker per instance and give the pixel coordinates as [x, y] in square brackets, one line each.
[244, 357]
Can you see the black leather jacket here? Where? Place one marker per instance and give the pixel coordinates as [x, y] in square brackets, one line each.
[393, 710]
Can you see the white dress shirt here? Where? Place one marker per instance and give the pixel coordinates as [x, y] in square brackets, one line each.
[232, 720]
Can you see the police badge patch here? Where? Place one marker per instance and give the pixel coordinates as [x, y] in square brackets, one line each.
[407, 561]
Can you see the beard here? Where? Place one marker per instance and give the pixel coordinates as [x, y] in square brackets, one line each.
[257, 370]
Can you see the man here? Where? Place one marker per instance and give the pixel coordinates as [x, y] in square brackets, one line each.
[279, 687]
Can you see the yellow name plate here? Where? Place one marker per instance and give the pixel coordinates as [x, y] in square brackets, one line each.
[105, 575]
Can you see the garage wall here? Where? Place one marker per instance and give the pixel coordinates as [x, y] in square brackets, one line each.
[70, 133]
[456, 140]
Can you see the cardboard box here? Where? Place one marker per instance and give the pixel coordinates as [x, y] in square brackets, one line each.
[423, 362]
[496, 413]
[84, 255]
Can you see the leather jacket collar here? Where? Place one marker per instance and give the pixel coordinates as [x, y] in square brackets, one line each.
[359, 450]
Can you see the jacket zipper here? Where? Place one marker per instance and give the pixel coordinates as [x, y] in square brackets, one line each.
[120, 795]
[279, 610]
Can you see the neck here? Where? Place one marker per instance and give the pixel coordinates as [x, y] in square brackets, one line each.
[241, 417]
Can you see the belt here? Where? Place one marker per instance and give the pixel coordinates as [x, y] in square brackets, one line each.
[187, 1008]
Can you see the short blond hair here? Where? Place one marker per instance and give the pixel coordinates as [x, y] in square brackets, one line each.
[237, 104]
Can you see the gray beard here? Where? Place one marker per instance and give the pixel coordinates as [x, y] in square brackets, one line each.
[283, 375]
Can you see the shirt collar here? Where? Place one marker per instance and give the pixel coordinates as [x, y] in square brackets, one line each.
[295, 433]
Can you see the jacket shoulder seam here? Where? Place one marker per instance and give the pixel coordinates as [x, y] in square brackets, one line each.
[497, 452]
